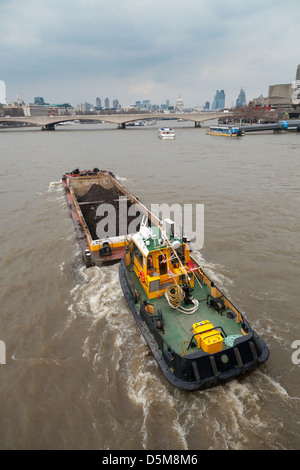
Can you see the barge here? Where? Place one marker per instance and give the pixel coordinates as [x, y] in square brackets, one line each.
[197, 336]
[105, 214]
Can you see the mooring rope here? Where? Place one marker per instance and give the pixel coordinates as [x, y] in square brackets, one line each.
[175, 298]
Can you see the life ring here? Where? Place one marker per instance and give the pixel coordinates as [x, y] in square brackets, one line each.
[142, 276]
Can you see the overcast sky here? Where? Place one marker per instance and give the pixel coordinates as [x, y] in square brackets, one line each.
[75, 50]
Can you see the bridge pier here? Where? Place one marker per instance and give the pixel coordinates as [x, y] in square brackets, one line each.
[197, 123]
[122, 126]
[48, 127]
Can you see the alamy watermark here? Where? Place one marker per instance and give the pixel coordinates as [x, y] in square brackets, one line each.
[296, 354]
[2, 352]
[121, 219]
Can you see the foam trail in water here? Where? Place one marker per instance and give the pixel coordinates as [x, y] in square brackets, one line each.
[213, 272]
[148, 391]
[55, 186]
[96, 298]
[272, 386]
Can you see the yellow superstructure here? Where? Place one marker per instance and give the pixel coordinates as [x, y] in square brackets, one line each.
[159, 269]
[158, 266]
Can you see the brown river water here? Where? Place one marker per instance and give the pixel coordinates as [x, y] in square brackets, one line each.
[75, 372]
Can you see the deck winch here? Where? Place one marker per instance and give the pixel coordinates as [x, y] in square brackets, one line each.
[217, 303]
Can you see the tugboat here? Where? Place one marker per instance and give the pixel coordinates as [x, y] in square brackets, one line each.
[197, 336]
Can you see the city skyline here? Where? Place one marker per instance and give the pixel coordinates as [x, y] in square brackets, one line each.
[78, 50]
[217, 103]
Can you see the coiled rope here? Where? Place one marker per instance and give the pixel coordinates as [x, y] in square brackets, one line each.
[174, 298]
[175, 295]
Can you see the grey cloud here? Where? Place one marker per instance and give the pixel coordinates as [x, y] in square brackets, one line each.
[197, 47]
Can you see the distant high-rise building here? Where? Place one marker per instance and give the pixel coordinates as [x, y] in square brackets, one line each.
[106, 103]
[241, 101]
[2, 93]
[115, 104]
[207, 105]
[98, 102]
[219, 100]
[39, 100]
[179, 104]
[296, 88]
[84, 107]
[146, 104]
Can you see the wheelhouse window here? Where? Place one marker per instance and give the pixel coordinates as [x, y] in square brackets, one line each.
[162, 261]
[138, 255]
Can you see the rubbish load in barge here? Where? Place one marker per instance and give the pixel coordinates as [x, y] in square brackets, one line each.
[100, 207]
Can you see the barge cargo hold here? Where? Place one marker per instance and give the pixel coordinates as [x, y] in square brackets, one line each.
[86, 191]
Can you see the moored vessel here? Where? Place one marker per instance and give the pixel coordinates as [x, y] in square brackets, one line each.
[225, 131]
[196, 334]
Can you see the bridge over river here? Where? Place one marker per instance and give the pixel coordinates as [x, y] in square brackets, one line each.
[48, 122]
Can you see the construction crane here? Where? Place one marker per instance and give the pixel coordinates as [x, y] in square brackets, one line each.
[20, 99]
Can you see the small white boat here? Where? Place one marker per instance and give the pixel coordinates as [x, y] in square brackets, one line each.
[166, 133]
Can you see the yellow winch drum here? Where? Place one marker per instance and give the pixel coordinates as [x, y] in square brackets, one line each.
[209, 339]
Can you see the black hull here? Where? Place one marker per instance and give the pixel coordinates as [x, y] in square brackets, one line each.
[198, 371]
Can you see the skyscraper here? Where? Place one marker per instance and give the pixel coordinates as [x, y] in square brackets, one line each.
[296, 88]
[219, 100]
[179, 104]
[39, 100]
[241, 101]
[2, 92]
